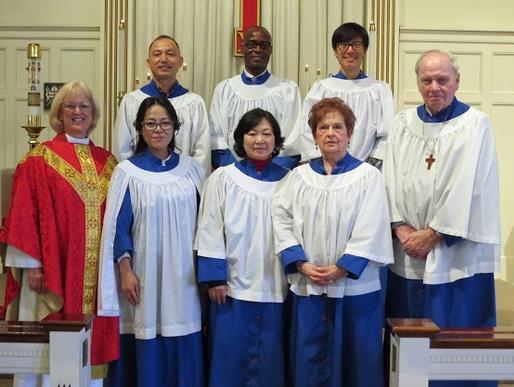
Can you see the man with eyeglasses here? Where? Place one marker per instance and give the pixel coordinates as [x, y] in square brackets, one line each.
[371, 100]
[164, 61]
[254, 88]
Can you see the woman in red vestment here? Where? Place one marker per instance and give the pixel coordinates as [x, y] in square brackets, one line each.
[53, 227]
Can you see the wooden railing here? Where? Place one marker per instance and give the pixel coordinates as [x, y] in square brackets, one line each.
[420, 351]
[59, 345]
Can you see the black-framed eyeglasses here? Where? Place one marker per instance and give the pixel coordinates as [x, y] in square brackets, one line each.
[252, 44]
[151, 126]
[356, 45]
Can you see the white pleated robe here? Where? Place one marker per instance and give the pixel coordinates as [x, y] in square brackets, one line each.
[457, 196]
[333, 215]
[165, 208]
[373, 105]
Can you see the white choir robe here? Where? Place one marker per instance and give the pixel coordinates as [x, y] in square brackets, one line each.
[232, 98]
[373, 105]
[235, 244]
[331, 216]
[164, 207]
[457, 196]
[192, 138]
[234, 224]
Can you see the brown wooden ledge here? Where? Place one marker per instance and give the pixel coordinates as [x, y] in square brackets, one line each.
[494, 338]
[39, 331]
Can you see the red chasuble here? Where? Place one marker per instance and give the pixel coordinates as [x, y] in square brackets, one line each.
[56, 215]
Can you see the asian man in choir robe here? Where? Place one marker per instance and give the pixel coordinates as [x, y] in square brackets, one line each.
[254, 88]
[164, 61]
[442, 182]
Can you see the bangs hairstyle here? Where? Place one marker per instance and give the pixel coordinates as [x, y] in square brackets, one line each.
[141, 145]
[249, 121]
[160, 37]
[349, 31]
[67, 92]
[328, 105]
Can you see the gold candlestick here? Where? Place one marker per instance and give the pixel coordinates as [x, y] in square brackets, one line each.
[33, 126]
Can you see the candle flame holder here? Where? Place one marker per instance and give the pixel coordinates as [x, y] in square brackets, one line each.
[33, 129]
[33, 126]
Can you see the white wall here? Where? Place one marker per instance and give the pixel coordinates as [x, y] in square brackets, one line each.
[481, 34]
[75, 13]
[70, 37]
[470, 15]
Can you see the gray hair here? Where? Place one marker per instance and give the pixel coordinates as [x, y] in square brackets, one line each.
[451, 58]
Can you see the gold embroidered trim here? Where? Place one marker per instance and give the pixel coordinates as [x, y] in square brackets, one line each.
[92, 189]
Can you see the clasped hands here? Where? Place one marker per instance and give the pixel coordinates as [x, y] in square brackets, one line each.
[417, 243]
[321, 275]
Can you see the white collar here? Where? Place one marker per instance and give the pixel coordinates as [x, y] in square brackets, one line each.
[75, 140]
[251, 75]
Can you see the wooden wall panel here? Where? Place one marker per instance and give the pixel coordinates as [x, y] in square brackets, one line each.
[67, 53]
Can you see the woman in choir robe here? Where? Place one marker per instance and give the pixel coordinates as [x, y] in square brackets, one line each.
[236, 260]
[54, 224]
[330, 220]
[147, 251]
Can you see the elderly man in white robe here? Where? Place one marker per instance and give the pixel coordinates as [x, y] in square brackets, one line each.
[254, 88]
[370, 100]
[442, 183]
[164, 61]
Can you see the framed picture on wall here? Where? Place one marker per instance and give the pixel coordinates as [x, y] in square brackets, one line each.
[50, 89]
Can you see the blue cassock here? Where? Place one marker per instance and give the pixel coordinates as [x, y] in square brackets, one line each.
[468, 302]
[334, 342]
[246, 339]
[162, 361]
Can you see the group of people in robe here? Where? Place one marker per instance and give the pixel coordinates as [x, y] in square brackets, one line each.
[261, 243]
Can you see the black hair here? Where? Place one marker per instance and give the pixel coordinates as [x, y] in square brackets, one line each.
[347, 32]
[249, 121]
[159, 38]
[141, 145]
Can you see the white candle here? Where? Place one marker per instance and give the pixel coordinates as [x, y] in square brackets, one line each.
[34, 93]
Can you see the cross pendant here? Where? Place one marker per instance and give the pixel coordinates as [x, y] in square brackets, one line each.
[430, 160]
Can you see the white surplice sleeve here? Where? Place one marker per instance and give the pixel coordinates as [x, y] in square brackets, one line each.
[219, 124]
[371, 234]
[108, 303]
[196, 122]
[390, 169]
[210, 236]
[124, 132]
[468, 204]
[289, 127]
[385, 122]
[282, 216]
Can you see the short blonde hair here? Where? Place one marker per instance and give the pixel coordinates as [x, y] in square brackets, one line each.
[65, 92]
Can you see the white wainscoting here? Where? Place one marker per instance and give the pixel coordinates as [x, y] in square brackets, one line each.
[67, 53]
[486, 61]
